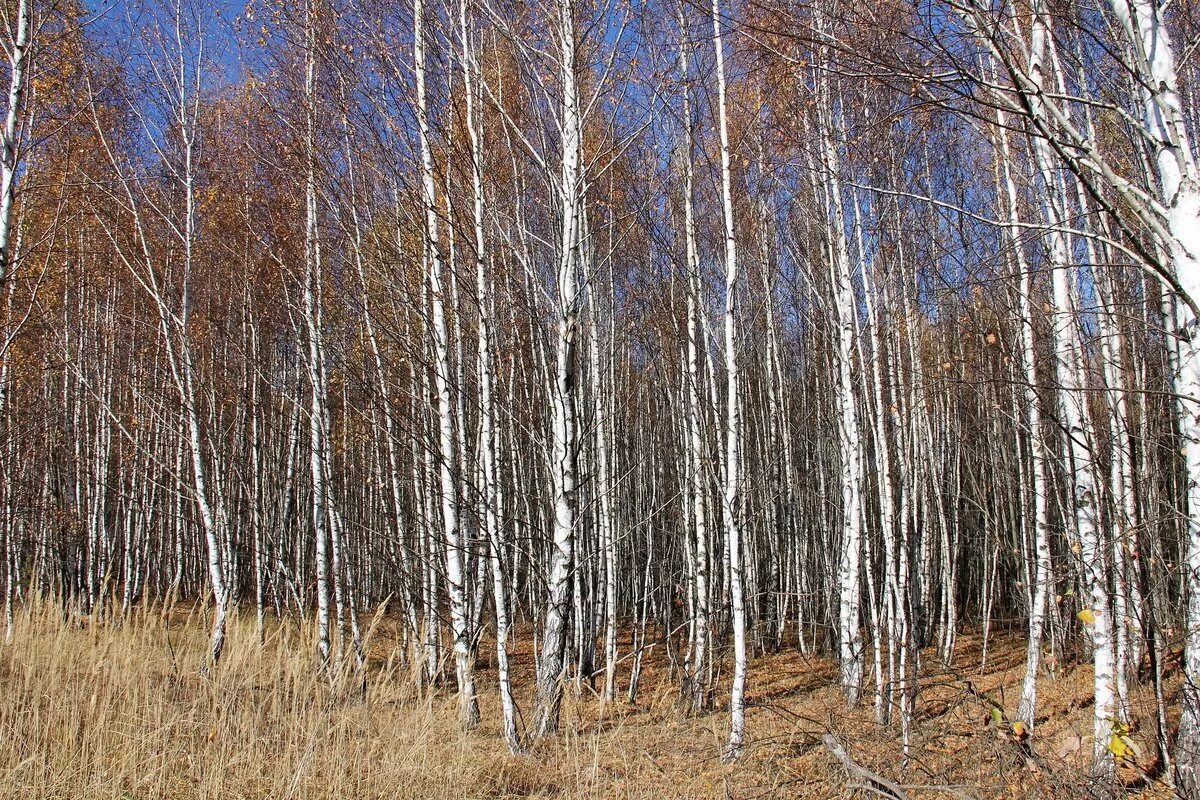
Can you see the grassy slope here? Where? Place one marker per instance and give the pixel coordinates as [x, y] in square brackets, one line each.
[121, 711]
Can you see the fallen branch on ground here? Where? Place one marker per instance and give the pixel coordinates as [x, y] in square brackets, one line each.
[871, 780]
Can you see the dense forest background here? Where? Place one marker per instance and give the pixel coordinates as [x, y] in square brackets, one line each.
[734, 328]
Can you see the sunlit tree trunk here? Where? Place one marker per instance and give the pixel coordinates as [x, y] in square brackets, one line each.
[447, 454]
[1084, 498]
[10, 156]
[1179, 192]
[698, 466]
[563, 394]
[850, 642]
[1038, 463]
[731, 498]
[489, 491]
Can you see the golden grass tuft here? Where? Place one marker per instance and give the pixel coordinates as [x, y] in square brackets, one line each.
[122, 711]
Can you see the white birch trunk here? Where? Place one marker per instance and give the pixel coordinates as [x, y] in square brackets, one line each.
[850, 643]
[9, 152]
[563, 434]
[1084, 500]
[698, 489]
[733, 424]
[315, 366]
[1179, 192]
[490, 493]
[455, 574]
[1027, 707]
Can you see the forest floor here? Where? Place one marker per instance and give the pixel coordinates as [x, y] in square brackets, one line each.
[121, 710]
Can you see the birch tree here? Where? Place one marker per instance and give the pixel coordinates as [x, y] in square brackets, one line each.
[563, 395]
[17, 49]
[731, 489]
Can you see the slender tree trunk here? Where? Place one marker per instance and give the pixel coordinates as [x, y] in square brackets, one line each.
[563, 423]
[733, 426]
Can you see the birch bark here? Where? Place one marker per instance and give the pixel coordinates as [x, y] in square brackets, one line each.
[733, 424]
[454, 550]
[562, 396]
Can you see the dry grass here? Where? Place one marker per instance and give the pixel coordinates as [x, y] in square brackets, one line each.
[122, 711]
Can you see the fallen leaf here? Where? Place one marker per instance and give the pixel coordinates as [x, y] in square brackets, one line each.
[1070, 745]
